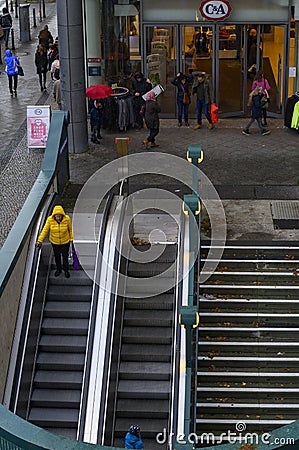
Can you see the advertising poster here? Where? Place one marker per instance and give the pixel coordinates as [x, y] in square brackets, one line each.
[38, 124]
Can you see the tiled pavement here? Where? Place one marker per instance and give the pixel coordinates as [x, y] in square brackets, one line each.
[247, 171]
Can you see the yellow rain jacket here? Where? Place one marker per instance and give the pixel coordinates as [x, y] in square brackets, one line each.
[60, 233]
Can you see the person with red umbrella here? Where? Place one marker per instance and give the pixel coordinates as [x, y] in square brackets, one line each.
[96, 119]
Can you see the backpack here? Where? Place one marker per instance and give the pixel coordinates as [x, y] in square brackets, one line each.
[5, 21]
[57, 74]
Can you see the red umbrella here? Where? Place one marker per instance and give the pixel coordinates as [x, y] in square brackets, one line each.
[99, 91]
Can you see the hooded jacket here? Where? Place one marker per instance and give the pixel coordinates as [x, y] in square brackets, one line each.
[142, 86]
[60, 233]
[133, 441]
[11, 62]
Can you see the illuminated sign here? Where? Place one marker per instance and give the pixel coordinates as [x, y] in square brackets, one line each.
[215, 9]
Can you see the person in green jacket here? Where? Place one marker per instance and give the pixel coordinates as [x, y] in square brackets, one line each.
[61, 234]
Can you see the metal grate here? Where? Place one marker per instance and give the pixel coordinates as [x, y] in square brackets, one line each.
[285, 214]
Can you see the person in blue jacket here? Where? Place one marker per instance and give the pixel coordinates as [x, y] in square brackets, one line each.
[96, 119]
[133, 438]
[11, 70]
[182, 82]
[256, 102]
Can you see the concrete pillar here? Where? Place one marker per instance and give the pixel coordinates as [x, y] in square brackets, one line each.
[72, 73]
[95, 68]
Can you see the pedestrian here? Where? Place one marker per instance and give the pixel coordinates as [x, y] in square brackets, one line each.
[183, 99]
[11, 70]
[140, 86]
[6, 24]
[152, 110]
[256, 101]
[260, 80]
[57, 93]
[45, 38]
[96, 119]
[52, 53]
[203, 89]
[61, 234]
[55, 68]
[133, 438]
[41, 62]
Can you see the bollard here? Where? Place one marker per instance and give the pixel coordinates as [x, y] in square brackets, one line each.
[7, 5]
[34, 18]
[11, 5]
[44, 10]
[12, 31]
[16, 9]
[40, 10]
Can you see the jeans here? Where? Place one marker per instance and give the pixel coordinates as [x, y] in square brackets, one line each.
[61, 250]
[14, 79]
[201, 105]
[42, 79]
[182, 108]
[252, 119]
[153, 134]
[6, 32]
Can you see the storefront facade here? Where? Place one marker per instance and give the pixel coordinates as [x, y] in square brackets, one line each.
[223, 38]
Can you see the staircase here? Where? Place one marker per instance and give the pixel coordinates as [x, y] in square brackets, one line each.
[248, 347]
[145, 371]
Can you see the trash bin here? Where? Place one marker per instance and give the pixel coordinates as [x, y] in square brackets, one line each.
[24, 22]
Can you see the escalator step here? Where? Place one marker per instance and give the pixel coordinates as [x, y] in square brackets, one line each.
[65, 326]
[146, 335]
[55, 417]
[67, 309]
[146, 352]
[62, 344]
[149, 428]
[59, 398]
[168, 251]
[158, 409]
[143, 389]
[149, 287]
[151, 269]
[60, 361]
[144, 370]
[59, 379]
[66, 432]
[69, 293]
[164, 301]
[78, 277]
[148, 318]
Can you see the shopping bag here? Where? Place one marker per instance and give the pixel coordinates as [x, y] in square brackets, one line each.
[20, 70]
[214, 113]
[76, 263]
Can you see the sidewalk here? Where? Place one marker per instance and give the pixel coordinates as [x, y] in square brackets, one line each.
[249, 172]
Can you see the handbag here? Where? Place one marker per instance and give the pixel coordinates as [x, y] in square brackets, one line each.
[186, 99]
[20, 70]
[76, 262]
[214, 112]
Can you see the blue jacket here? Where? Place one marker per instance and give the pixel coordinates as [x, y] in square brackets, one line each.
[181, 87]
[10, 60]
[256, 107]
[96, 116]
[133, 441]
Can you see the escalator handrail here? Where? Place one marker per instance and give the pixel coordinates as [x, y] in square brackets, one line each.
[24, 314]
[91, 330]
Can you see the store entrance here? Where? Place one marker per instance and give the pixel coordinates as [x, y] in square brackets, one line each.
[230, 55]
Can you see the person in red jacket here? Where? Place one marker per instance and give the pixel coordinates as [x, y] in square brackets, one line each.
[61, 234]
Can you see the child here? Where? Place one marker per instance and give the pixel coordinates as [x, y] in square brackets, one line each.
[256, 101]
[96, 121]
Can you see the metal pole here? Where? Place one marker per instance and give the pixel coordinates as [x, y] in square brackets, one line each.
[11, 5]
[44, 9]
[34, 17]
[16, 9]
[7, 7]
[40, 10]
[12, 39]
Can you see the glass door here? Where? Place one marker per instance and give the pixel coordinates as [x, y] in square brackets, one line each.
[161, 62]
[230, 70]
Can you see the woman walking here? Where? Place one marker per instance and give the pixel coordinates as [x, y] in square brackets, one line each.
[41, 62]
[256, 101]
[152, 110]
[261, 81]
[11, 70]
[61, 234]
[183, 99]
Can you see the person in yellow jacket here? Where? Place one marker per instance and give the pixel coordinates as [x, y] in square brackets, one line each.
[61, 234]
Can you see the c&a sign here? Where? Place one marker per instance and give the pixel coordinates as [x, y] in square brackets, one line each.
[215, 9]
